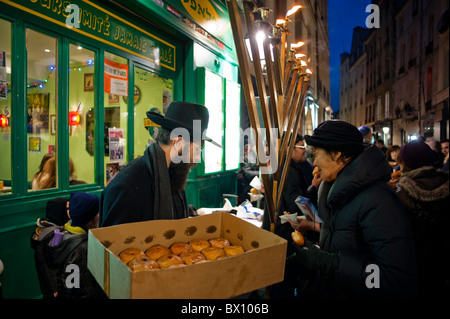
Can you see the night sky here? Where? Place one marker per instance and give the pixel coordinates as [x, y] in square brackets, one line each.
[343, 16]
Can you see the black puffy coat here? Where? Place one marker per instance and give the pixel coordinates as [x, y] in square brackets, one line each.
[365, 224]
[425, 194]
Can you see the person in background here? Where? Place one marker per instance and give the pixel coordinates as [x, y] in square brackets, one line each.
[248, 170]
[57, 247]
[380, 145]
[152, 186]
[299, 182]
[391, 156]
[424, 192]
[444, 146]
[367, 135]
[44, 178]
[360, 214]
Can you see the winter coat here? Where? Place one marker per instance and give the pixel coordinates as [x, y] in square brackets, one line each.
[62, 269]
[425, 194]
[131, 195]
[366, 226]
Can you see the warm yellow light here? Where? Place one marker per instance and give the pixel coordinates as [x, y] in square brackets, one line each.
[293, 10]
[299, 55]
[308, 71]
[303, 63]
[297, 45]
[279, 21]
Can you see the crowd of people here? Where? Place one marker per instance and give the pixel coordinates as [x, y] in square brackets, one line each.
[377, 238]
[383, 207]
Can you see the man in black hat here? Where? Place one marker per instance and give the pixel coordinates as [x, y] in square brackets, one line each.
[366, 248]
[153, 185]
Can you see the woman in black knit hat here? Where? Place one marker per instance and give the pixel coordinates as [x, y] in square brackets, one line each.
[366, 247]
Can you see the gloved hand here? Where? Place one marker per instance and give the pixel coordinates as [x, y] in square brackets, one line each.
[313, 258]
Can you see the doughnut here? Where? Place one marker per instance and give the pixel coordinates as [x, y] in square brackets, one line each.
[142, 263]
[213, 253]
[167, 261]
[178, 247]
[192, 257]
[233, 250]
[130, 253]
[297, 237]
[157, 251]
[315, 171]
[199, 244]
[219, 242]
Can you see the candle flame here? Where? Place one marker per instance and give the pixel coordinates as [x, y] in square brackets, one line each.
[293, 10]
[279, 22]
[297, 45]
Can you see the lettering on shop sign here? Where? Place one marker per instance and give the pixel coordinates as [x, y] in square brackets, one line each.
[90, 19]
[201, 10]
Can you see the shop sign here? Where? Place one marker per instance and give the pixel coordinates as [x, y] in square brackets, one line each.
[201, 11]
[89, 19]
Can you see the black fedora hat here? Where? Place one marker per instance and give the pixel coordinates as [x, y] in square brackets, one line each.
[183, 115]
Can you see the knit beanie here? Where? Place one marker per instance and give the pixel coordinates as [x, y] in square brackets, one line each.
[83, 207]
[339, 136]
[364, 130]
[416, 154]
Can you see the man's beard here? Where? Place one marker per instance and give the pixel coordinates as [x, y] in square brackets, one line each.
[178, 174]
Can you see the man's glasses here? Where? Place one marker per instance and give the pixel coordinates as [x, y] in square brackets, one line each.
[303, 147]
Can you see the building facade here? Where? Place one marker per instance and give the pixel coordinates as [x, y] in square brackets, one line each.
[406, 65]
[76, 82]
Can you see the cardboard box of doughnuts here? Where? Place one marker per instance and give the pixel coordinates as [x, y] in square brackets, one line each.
[260, 265]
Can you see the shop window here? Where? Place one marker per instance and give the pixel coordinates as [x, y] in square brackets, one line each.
[115, 113]
[42, 100]
[81, 110]
[152, 93]
[214, 103]
[5, 107]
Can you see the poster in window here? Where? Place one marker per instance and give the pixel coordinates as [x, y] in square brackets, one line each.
[38, 108]
[2, 75]
[116, 78]
[53, 124]
[116, 144]
[89, 82]
[34, 144]
[137, 95]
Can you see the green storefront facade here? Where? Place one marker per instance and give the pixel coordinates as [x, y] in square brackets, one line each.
[68, 68]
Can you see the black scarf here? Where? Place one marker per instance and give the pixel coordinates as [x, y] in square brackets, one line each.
[157, 166]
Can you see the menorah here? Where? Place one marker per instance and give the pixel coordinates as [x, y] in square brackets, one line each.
[286, 78]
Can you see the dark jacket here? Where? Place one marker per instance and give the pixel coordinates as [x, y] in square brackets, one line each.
[365, 224]
[54, 265]
[130, 196]
[298, 183]
[425, 194]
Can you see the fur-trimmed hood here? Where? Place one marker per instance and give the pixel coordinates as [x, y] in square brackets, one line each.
[426, 184]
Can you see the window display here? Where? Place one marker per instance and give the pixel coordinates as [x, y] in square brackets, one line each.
[42, 100]
[5, 107]
[81, 110]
